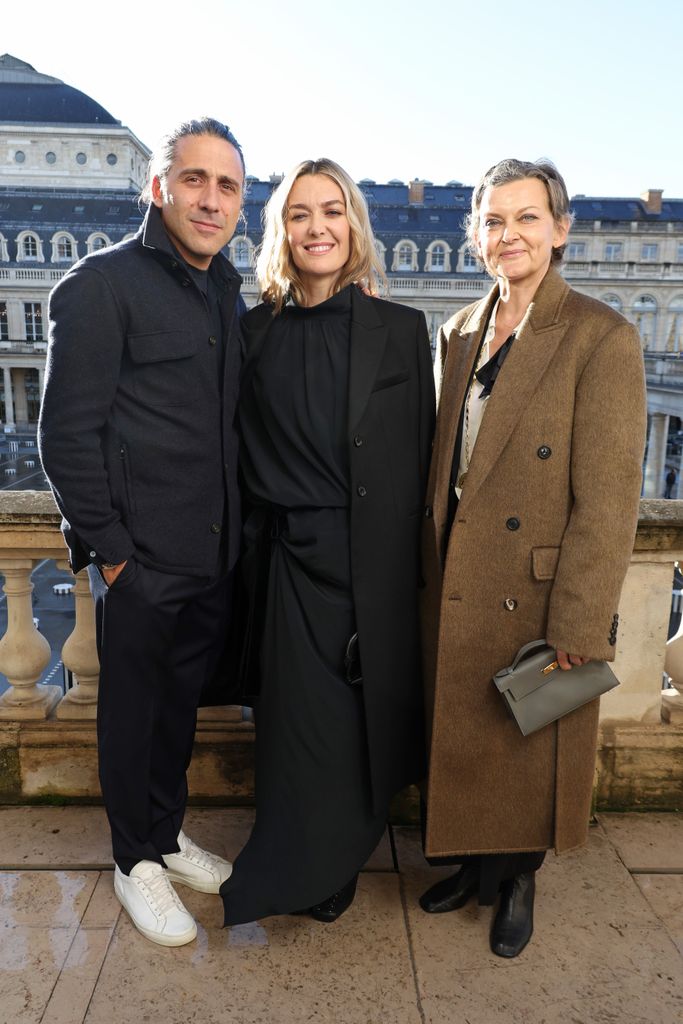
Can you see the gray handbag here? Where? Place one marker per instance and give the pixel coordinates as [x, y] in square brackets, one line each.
[537, 692]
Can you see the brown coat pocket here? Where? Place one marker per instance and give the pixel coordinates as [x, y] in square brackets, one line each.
[544, 563]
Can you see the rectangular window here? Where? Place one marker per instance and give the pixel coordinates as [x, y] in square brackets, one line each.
[613, 251]
[33, 315]
[649, 251]
[4, 326]
[679, 257]
[576, 251]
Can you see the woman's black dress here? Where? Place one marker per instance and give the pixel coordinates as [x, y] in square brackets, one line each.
[314, 825]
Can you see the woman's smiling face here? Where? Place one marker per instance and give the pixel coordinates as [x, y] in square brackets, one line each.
[318, 229]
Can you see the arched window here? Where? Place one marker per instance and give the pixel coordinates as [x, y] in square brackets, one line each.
[98, 241]
[64, 247]
[613, 301]
[4, 251]
[405, 255]
[241, 252]
[381, 250]
[29, 247]
[438, 256]
[645, 313]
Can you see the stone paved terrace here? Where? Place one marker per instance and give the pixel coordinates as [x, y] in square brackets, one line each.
[608, 946]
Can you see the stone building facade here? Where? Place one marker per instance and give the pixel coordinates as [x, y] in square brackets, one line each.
[70, 179]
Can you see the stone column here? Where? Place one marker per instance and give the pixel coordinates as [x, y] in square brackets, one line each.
[79, 654]
[656, 455]
[24, 652]
[9, 402]
[20, 395]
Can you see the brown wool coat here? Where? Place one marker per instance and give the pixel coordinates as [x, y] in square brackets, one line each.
[572, 382]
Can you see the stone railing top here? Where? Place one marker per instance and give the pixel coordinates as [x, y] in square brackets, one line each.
[29, 508]
[660, 525]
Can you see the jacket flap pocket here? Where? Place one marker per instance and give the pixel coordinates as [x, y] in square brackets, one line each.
[544, 563]
[162, 345]
[390, 381]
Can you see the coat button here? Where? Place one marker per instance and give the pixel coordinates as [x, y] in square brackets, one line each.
[212, 341]
[361, 491]
[358, 440]
[215, 527]
[174, 264]
[513, 523]
[429, 511]
[509, 604]
[612, 641]
[93, 554]
[544, 452]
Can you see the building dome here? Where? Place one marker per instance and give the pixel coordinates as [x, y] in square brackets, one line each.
[27, 97]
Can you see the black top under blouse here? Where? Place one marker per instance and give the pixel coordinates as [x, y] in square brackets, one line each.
[294, 409]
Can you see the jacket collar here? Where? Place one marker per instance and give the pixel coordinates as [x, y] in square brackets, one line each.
[152, 235]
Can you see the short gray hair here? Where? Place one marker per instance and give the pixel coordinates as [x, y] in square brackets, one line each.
[164, 155]
[509, 170]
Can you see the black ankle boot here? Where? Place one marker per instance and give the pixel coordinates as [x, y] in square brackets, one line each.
[514, 922]
[333, 907]
[451, 893]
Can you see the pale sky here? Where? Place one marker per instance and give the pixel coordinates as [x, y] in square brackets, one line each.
[391, 88]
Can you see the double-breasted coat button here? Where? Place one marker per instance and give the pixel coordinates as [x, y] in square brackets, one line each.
[93, 554]
[544, 452]
[513, 523]
[215, 527]
[361, 491]
[612, 641]
[212, 341]
[509, 604]
[429, 511]
[358, 440]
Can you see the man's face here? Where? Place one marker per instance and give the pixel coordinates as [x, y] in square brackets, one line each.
[201, 197]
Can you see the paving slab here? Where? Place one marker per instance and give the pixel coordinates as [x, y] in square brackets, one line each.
[78, 837]
[40, 914]
[664, 893]
[283, 970]
[599, 954]
[646, 842]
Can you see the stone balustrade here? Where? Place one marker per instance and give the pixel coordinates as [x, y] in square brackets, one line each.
[641, 742]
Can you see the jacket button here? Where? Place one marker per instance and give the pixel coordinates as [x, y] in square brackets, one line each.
[358, 440]
[612, 641]
[361, 491]
[215, 527]
[212, 340]
[93, 554]
[429, 512]
[513, 523]
[509, 604]
[544, 452]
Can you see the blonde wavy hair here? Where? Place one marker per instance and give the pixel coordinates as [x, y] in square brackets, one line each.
[277, 274]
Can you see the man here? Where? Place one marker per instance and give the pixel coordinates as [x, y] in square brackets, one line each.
[138, 441]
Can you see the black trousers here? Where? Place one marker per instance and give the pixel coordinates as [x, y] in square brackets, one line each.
[160, 638]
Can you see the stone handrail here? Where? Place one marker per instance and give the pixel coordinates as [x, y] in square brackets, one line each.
[29, 525]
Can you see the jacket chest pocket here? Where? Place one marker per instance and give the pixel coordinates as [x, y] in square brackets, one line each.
[165, 367]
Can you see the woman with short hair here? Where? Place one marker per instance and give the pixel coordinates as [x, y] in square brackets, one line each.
[336, 419]
[532, 510]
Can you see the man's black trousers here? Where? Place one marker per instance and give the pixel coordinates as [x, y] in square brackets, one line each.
[160, 638]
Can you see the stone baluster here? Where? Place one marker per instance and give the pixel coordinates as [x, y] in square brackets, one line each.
[79, 654]
[24, 652]
[672, 701]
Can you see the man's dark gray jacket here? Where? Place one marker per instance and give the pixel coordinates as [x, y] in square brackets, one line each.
[136, 433]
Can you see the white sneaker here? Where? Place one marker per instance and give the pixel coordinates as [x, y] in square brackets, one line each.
[195, 867]
[153, 905]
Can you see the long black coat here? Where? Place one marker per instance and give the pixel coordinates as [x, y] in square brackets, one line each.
[391, 414]
[136, 429]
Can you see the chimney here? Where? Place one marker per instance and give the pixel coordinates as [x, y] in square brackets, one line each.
[416, 192]
[653, 200]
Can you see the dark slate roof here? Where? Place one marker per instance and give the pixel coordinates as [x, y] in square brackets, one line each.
[605, 208]
[40, 103]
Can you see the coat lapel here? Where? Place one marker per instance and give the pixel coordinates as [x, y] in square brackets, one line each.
[525, 365]
[368, 339]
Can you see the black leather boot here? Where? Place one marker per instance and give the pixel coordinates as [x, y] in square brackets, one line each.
[514, 922]
[333, 907]
[451, 893]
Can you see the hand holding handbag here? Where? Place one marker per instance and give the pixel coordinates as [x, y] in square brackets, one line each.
[537, 691]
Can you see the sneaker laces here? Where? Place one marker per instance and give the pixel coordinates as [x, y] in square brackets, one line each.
[202, 858]
[162, 895]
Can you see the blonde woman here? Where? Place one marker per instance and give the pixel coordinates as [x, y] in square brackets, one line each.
[336, 419]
